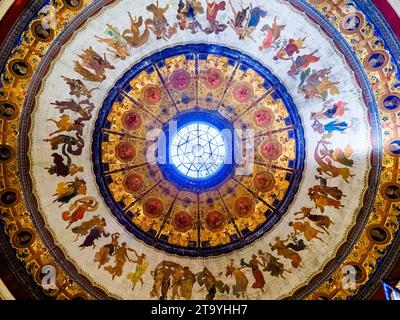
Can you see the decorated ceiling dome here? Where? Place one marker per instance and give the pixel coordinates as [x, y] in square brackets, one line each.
[229, 149]
[179, 178]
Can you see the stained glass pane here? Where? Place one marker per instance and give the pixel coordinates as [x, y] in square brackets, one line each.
[198, 150]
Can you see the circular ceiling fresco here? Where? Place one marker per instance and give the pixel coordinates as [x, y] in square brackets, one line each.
[171, 145]
[200, 149]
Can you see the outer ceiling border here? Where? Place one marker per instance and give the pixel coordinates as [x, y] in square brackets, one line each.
[376, 160]
[6, 251]
[393, 44]
[315, 15]
[372, 14]
[12, 39]
[16, 30]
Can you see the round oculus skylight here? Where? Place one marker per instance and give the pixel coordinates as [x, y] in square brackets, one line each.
[198, 150]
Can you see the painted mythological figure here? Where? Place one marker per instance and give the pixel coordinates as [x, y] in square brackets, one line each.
[78, 88]
[301, 63]
[93, 66]
[134, 36]
[107, 251]
[63, 125]
[159, 24]
[59, 167]
[95, 233]
[78, 209]
[116, 43]
[331, 127]
[207, 280]
[69, 145]
[161, 275]
[321, 221]
[272, 34]
[330, 110]
[120, 256]
[142, 265]
[317, 84]
[254, 264]
[186, 283]
[66, 191]
[170, 275]
[324, 196]
[283, 250]
[323, 157]
[245, 21]
[187, 11]
[272, 264]
[240, 287]
[296, 244]
[306, 229]
[212, 12]
[84, 228]
[289, 49]
[338, 155]
[84, 108]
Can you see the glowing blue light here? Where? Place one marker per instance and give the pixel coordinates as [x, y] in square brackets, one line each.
[198, 150]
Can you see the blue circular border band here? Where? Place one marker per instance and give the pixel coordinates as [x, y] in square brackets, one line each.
[296, 133]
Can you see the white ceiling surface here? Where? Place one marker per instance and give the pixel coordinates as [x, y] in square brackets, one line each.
[4, 6]
[395, 5]
[4, 292]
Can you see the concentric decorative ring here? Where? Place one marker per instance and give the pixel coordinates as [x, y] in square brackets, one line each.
[342, 219]
[193, 125]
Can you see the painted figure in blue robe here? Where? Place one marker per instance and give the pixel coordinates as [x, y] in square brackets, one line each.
[187, 12]
[339, 126]
[330, 110]
[246, 20]
[352, 23]
[391, 102]
[95, 233]
[255, 17]
[330, 113]
[376, 60]
[336, 126]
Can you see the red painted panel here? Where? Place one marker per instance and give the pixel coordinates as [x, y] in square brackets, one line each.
[390, 15]
[11, 16]
[380, 294]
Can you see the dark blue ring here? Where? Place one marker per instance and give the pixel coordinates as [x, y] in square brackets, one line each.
[280, 92]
